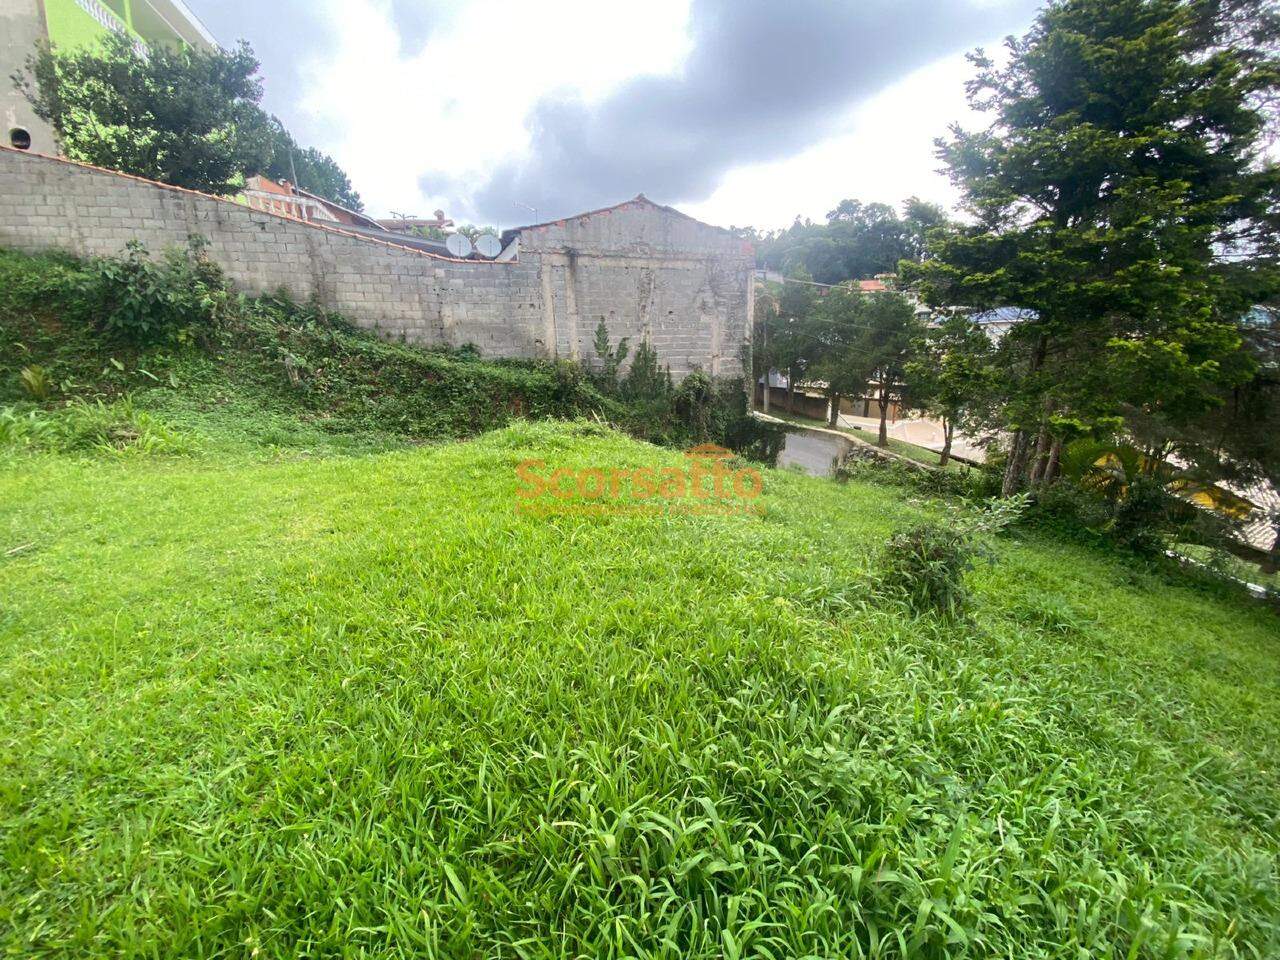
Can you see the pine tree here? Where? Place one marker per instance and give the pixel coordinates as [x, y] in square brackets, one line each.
[1120, 195]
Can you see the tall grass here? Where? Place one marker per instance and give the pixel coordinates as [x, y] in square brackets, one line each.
[362, 707]
[116, 428]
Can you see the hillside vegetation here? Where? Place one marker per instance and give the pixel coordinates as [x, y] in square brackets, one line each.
[285, 673]
[98, 353]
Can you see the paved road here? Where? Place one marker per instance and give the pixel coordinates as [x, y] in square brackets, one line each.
[815, 453]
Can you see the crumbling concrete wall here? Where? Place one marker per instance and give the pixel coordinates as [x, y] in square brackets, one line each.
[647, 271]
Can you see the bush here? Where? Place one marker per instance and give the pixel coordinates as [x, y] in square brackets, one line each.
[1142, 516]
[925, 565]
[145, 302]
[1148, 516]
[1067, 504]
[969, 485]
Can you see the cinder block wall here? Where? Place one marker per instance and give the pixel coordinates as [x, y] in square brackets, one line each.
[650, 273]
[644, 269]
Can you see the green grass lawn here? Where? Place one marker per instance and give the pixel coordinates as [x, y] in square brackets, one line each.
[357, 705]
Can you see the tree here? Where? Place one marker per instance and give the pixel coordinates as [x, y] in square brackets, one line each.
[858, 342]
[832, 334]
[1118, 194]
[309, 169]
[1239, 440]
[889, 335]
[764, 337]
[952, 374]
[789, 342]
[185, 116]
[857, 242]
[611, 358]
[919, 218]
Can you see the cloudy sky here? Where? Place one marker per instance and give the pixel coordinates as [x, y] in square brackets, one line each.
[736, 111]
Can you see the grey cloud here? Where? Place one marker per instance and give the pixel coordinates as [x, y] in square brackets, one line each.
[284, 34]
[415, 21]
[288, 34]
[763, 81]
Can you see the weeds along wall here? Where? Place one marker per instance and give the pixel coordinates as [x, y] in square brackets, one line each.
[647, 271]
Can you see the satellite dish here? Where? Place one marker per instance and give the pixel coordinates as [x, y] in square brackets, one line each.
[488, 246]
[458, 245]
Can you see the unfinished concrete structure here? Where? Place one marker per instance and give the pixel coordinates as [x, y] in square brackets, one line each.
[649, 272]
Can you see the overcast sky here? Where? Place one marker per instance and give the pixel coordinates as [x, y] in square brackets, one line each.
[740, 112]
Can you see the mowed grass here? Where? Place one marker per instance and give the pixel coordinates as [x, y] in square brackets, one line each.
[358, 706]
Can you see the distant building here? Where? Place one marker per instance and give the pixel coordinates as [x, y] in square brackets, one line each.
[996, 323]
[72, 24]
[417, 224]
[263, 193]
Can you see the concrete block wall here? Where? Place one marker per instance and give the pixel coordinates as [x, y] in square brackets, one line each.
[651, 273]
[646, 270]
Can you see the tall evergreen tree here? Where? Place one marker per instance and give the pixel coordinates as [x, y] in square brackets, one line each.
[1121, 194]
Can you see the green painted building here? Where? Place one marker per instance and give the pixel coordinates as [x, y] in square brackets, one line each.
[68, 24]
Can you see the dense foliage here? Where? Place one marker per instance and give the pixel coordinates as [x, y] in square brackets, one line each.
[185, 116]
[170, 330]
[1120, 195]
[858, 241]
[646, 403]
[952, 375]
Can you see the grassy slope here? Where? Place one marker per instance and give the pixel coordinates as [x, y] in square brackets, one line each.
[358, 706]
[231, 388]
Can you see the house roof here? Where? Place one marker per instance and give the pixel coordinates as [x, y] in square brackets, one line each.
[364, 219]
[1004, 315]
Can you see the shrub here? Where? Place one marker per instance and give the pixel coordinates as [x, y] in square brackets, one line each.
[1067, 504]
[866, 465]
[1142, 515]
[926, 564]
[36, 382]
[146, 301]
[610, 358]
[647, 381]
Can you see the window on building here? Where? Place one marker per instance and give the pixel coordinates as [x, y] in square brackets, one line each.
[20, 139]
